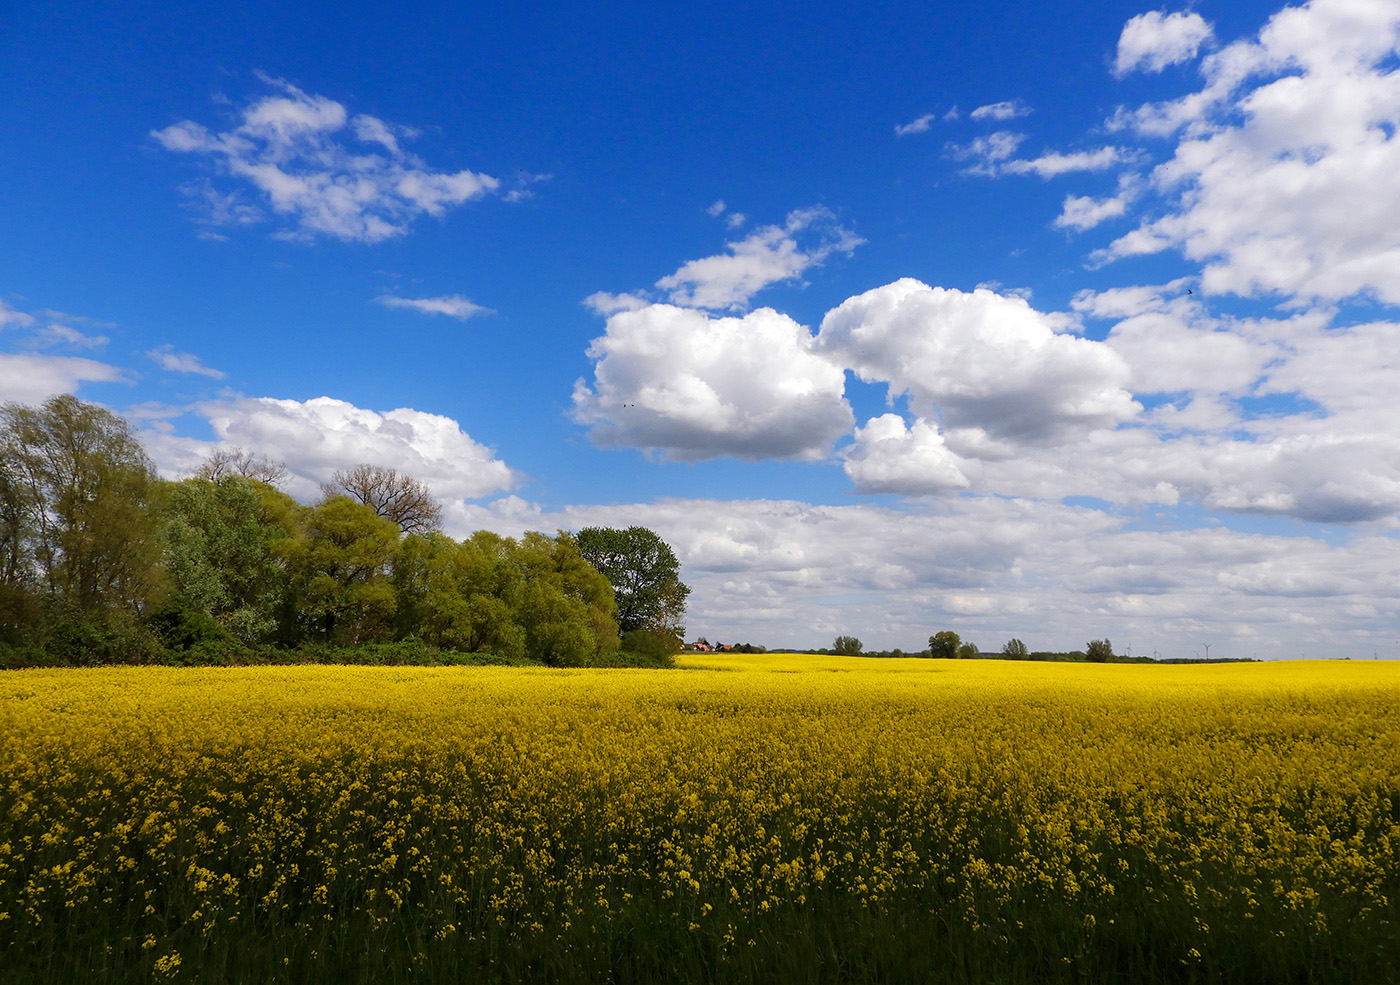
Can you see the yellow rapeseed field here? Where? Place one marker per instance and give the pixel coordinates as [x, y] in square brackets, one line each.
[745, 818]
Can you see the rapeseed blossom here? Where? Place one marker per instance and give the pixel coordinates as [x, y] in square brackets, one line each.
[1036, 822]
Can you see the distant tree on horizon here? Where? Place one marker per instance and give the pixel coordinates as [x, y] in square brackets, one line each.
[1098, 651]
[944, 645]
[847, 646]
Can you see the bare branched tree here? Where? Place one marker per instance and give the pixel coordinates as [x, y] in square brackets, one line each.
[236, 461]
[396, 497]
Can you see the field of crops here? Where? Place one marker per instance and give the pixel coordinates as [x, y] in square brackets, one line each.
[751, 819]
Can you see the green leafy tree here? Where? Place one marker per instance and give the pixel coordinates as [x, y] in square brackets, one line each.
[968, 651]
[1014, 649]
[75, 506]
[1098, 651]
[847, 646]
[339, 563]
[219, 555]
[567, 604]
[944, 645]
[645, 578]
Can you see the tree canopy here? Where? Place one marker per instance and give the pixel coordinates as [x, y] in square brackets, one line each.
[102, 561]
[847, 646]
[75, 485]
[944, 644]
[1098, 651]
[644, 574]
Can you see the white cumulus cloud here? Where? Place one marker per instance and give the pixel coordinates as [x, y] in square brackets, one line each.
[1154, 40]
[694, 386]
[1283, 182]
[991, 368]
[316, 437]
[887, 456]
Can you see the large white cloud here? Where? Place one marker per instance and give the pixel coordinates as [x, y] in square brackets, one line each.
[692, 386]
[987, 366]
[1168, 353]
[1284, 181]
[326, 172]
[316, 437]
[888, 456]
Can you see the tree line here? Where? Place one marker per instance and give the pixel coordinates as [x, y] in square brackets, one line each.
[948, 645]
[103, 561]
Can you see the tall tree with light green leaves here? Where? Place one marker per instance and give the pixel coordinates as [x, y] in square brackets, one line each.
[339, 562]
[219, 552]
[76, 492]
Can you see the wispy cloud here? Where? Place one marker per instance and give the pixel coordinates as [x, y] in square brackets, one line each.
[992, 156]
[1007, 110]
[986, 152]
[168, 359]
[9, 317]
[922, 125]
[452, 305]
[57, 334]
[318, 169]
[1054, 163]
[768, 255]
[47, 328]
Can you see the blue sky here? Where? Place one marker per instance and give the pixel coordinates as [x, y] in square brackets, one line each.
[892, 318]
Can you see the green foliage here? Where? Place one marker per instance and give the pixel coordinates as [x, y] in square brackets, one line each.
[1098, 651]
[1058, 656]
[75, 521]
[968, 651]
[183, 624]
[219, 553]
[645, 648]
[847, 646]
[644, 574]
[338, 564]
[1014, 649]
[944, 645]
